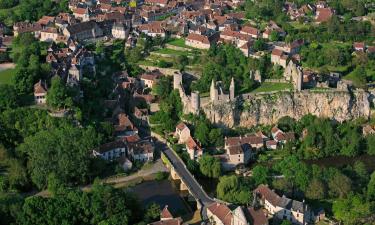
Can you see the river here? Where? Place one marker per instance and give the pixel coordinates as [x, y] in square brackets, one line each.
[163, 193]
[340, 161]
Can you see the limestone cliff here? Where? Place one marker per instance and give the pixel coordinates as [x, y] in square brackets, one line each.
[268, 108]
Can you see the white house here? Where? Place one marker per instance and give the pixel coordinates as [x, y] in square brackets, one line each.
[142, 151]
[110, 151]
[282, 207]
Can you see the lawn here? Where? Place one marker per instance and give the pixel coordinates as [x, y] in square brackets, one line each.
[268, 87]
[172, 52]
[6, 76]
[179, 42]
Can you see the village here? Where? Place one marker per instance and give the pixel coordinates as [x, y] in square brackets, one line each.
[187, 29]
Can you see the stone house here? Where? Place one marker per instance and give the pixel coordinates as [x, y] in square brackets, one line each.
[323, 14]
[25, 27]
[201, 41]
[251, 31]
[49, 35]
[120, 31]
[278, 57]
[83, 31]
[150, 78]
[82, 13]
[40, 92]
[271, 144]
[182, 133]
[282, 207]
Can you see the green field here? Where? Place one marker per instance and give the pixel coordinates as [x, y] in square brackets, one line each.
[268, 87]
[168, 51]
[6, 76]
[179, 42]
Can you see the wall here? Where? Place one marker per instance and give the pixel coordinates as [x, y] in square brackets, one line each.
[269, 108]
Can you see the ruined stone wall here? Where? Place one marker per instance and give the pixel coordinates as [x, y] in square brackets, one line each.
[269, 108]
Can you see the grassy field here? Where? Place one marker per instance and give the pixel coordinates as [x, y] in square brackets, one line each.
[6, 76]
[179, 42]
[268, 87]
[169, 51]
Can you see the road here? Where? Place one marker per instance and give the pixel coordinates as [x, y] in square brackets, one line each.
[193, 185]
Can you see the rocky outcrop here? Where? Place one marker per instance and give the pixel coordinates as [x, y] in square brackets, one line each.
[269, 108]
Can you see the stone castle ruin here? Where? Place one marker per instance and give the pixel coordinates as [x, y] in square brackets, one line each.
[225, 109]
[191, 104]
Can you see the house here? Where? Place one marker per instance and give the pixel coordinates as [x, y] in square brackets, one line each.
[142, 151]
[150, 78]
[278, 57]
[279, 136]
[201, 41]
[25, 27]
[256, 216]
[46, 21]
[251, 31]
[271, 144]
[82, 13]
[153, 29]
[166, 218]
[124, 127]
[219, 213]
[193, 148]
[359, 46]
[49, 34]
[120, 31]
[323, 14]
[273, 27]
[83, 31]
[238, 151]
[182, 133]
[110, 151]
[282, 207]
[161, 3]
[141, 116]
[40, 92]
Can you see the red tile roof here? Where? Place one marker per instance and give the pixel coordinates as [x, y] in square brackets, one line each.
[222, 212]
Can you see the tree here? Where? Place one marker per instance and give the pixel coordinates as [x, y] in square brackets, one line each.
[274, 36]
[17, 176]
[361, 172]
[182, 61]
[370, 139]
[152, 213]
[216, 137]
[64, 151]
[286, 222]
[259, 45]
[260, 175]
[232, 189]
[316, 189]
[210, 166]
[339, 185]
[351, 209]
[57, 95]
[163, 87]
[201, 133]
[371, 188]
[8, 97]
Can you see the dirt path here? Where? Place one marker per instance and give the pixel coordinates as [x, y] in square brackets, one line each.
[6, 66]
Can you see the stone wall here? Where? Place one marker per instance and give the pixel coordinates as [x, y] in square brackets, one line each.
[269, 108]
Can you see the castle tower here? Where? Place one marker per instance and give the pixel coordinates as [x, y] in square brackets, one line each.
[213, 92]
[231, 90]
[299, 79]
[195, 102]
[177, 80]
